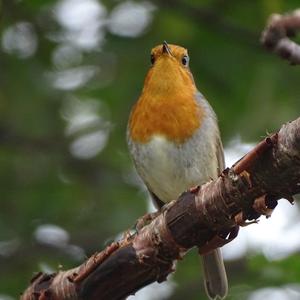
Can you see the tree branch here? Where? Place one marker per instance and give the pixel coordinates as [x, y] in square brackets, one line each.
[276, 36]
[206, 217]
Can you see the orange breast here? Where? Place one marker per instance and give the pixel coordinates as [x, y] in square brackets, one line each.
[175, 115]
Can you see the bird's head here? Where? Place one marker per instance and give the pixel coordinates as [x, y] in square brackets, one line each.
[170, 70]
[168, 104]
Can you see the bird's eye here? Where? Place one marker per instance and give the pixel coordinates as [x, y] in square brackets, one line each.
[185, 60]
[152, 58]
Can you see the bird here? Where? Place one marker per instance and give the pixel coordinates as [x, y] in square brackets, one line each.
[174, 141]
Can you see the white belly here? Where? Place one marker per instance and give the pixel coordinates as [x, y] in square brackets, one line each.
[169, 169]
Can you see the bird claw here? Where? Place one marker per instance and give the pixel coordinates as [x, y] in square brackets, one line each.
[261, 206]
[194, 189]
[240, 220]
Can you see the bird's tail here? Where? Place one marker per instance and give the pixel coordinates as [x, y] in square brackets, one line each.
[215, 279]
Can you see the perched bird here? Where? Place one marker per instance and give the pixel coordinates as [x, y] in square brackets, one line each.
[174, 140]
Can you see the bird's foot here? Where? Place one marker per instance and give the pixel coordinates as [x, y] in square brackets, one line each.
[241, 221]
[194, 189]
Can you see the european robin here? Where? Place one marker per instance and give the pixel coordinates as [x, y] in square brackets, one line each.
[174, 140]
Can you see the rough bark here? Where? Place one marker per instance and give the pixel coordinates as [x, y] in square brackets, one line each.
[206, 217]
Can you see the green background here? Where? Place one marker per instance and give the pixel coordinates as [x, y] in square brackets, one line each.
[67, 84]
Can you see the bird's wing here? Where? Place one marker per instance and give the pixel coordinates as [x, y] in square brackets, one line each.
[219, 147]
[220, 155]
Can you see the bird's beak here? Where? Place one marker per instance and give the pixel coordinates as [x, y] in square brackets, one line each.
[165, 48]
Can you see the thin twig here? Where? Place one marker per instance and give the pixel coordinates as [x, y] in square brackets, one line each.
[276, 36]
